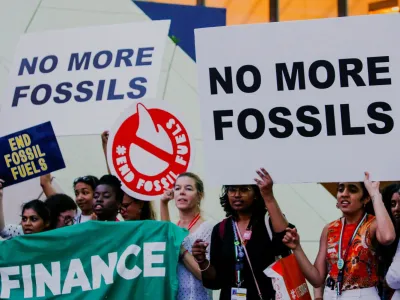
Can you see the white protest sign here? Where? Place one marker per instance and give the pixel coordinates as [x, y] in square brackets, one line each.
[82, 79]
[311, 101]
[148, 147]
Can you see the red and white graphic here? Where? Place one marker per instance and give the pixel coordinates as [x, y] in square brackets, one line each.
[148, 148]
[287, 279]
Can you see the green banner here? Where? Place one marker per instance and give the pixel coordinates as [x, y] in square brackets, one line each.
[93, 260]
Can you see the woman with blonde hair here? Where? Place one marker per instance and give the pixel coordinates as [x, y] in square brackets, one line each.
[188, 192]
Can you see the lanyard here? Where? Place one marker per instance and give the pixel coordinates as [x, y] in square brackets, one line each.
[239, 255]
[247, 256]
[193, 222]
[341, 261]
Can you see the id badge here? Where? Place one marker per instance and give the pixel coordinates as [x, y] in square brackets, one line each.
[238, 294]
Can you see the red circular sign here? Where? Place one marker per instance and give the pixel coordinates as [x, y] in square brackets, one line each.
[149, 150]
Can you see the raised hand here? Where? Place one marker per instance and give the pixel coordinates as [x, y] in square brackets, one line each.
[104, 138]
[265, 182]
[199, 250]
[167, 196]
[291, 238]
[371, 186]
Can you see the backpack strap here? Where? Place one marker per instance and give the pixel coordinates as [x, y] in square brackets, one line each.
[268, 225]
[221, 228]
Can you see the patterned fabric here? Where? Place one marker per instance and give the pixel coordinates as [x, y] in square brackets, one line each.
[11, 231]
[360, 270]
[190, 288]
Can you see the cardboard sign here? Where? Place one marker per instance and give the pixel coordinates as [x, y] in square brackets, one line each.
[29, 153]
[149, 146]
[312, 101]
[82, 78]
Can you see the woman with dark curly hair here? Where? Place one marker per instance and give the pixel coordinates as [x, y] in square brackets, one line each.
[391, 199]
[241, 247]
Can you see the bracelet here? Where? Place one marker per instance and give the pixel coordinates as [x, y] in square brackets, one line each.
[199, 261]
[206, 267]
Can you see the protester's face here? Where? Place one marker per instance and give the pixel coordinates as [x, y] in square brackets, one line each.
[84, 196]
[395, 206]
[130, 208]
[185, 194]
[241, 197]
[105, 204]
[349, 197]
[31, 222]
[66, 218]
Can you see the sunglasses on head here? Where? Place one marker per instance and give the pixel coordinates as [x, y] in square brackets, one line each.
[86, 179]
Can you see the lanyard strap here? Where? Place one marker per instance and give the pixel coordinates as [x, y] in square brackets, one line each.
[341, 261]
[248, 259]
[192, 223]
[238, 256]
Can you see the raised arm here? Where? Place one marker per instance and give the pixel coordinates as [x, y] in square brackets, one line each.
[1, 206]
[383, 227]
[47, 187]
[104, 141]
[315, 274]
[265, 183]
[164, 210]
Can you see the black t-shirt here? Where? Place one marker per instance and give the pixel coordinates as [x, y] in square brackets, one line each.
[261, 250]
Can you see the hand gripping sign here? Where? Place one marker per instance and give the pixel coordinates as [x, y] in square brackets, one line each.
[148, 148]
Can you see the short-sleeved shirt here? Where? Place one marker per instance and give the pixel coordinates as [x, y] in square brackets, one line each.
[261, 250]
[11, 231]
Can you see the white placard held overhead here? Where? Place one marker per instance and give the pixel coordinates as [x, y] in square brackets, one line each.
[311, 101]
[81, 79]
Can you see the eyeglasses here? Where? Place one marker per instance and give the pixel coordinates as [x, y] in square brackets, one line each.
[125, 206]
[232, 190]
[68, 221]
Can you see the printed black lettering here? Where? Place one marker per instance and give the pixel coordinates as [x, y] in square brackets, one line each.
[378, 116]
[345, 72]
[260, 123]
[274, 118]
[330, 74]
[315, 123]
[330, 120]
[226, 83]
[374, 70]
[256, 79]
[347, 129]
[297, 71]
[219, 125]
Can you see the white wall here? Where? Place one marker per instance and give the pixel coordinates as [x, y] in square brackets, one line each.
[308, 206]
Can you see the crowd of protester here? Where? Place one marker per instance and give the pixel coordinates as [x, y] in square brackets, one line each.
[358, 257]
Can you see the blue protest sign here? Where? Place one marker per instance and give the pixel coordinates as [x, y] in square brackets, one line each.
[29, 153]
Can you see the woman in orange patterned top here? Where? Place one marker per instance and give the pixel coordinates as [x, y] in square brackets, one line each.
[347, 246]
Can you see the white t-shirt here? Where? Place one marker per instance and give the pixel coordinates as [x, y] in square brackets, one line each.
[82, 218]
[393, 275]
